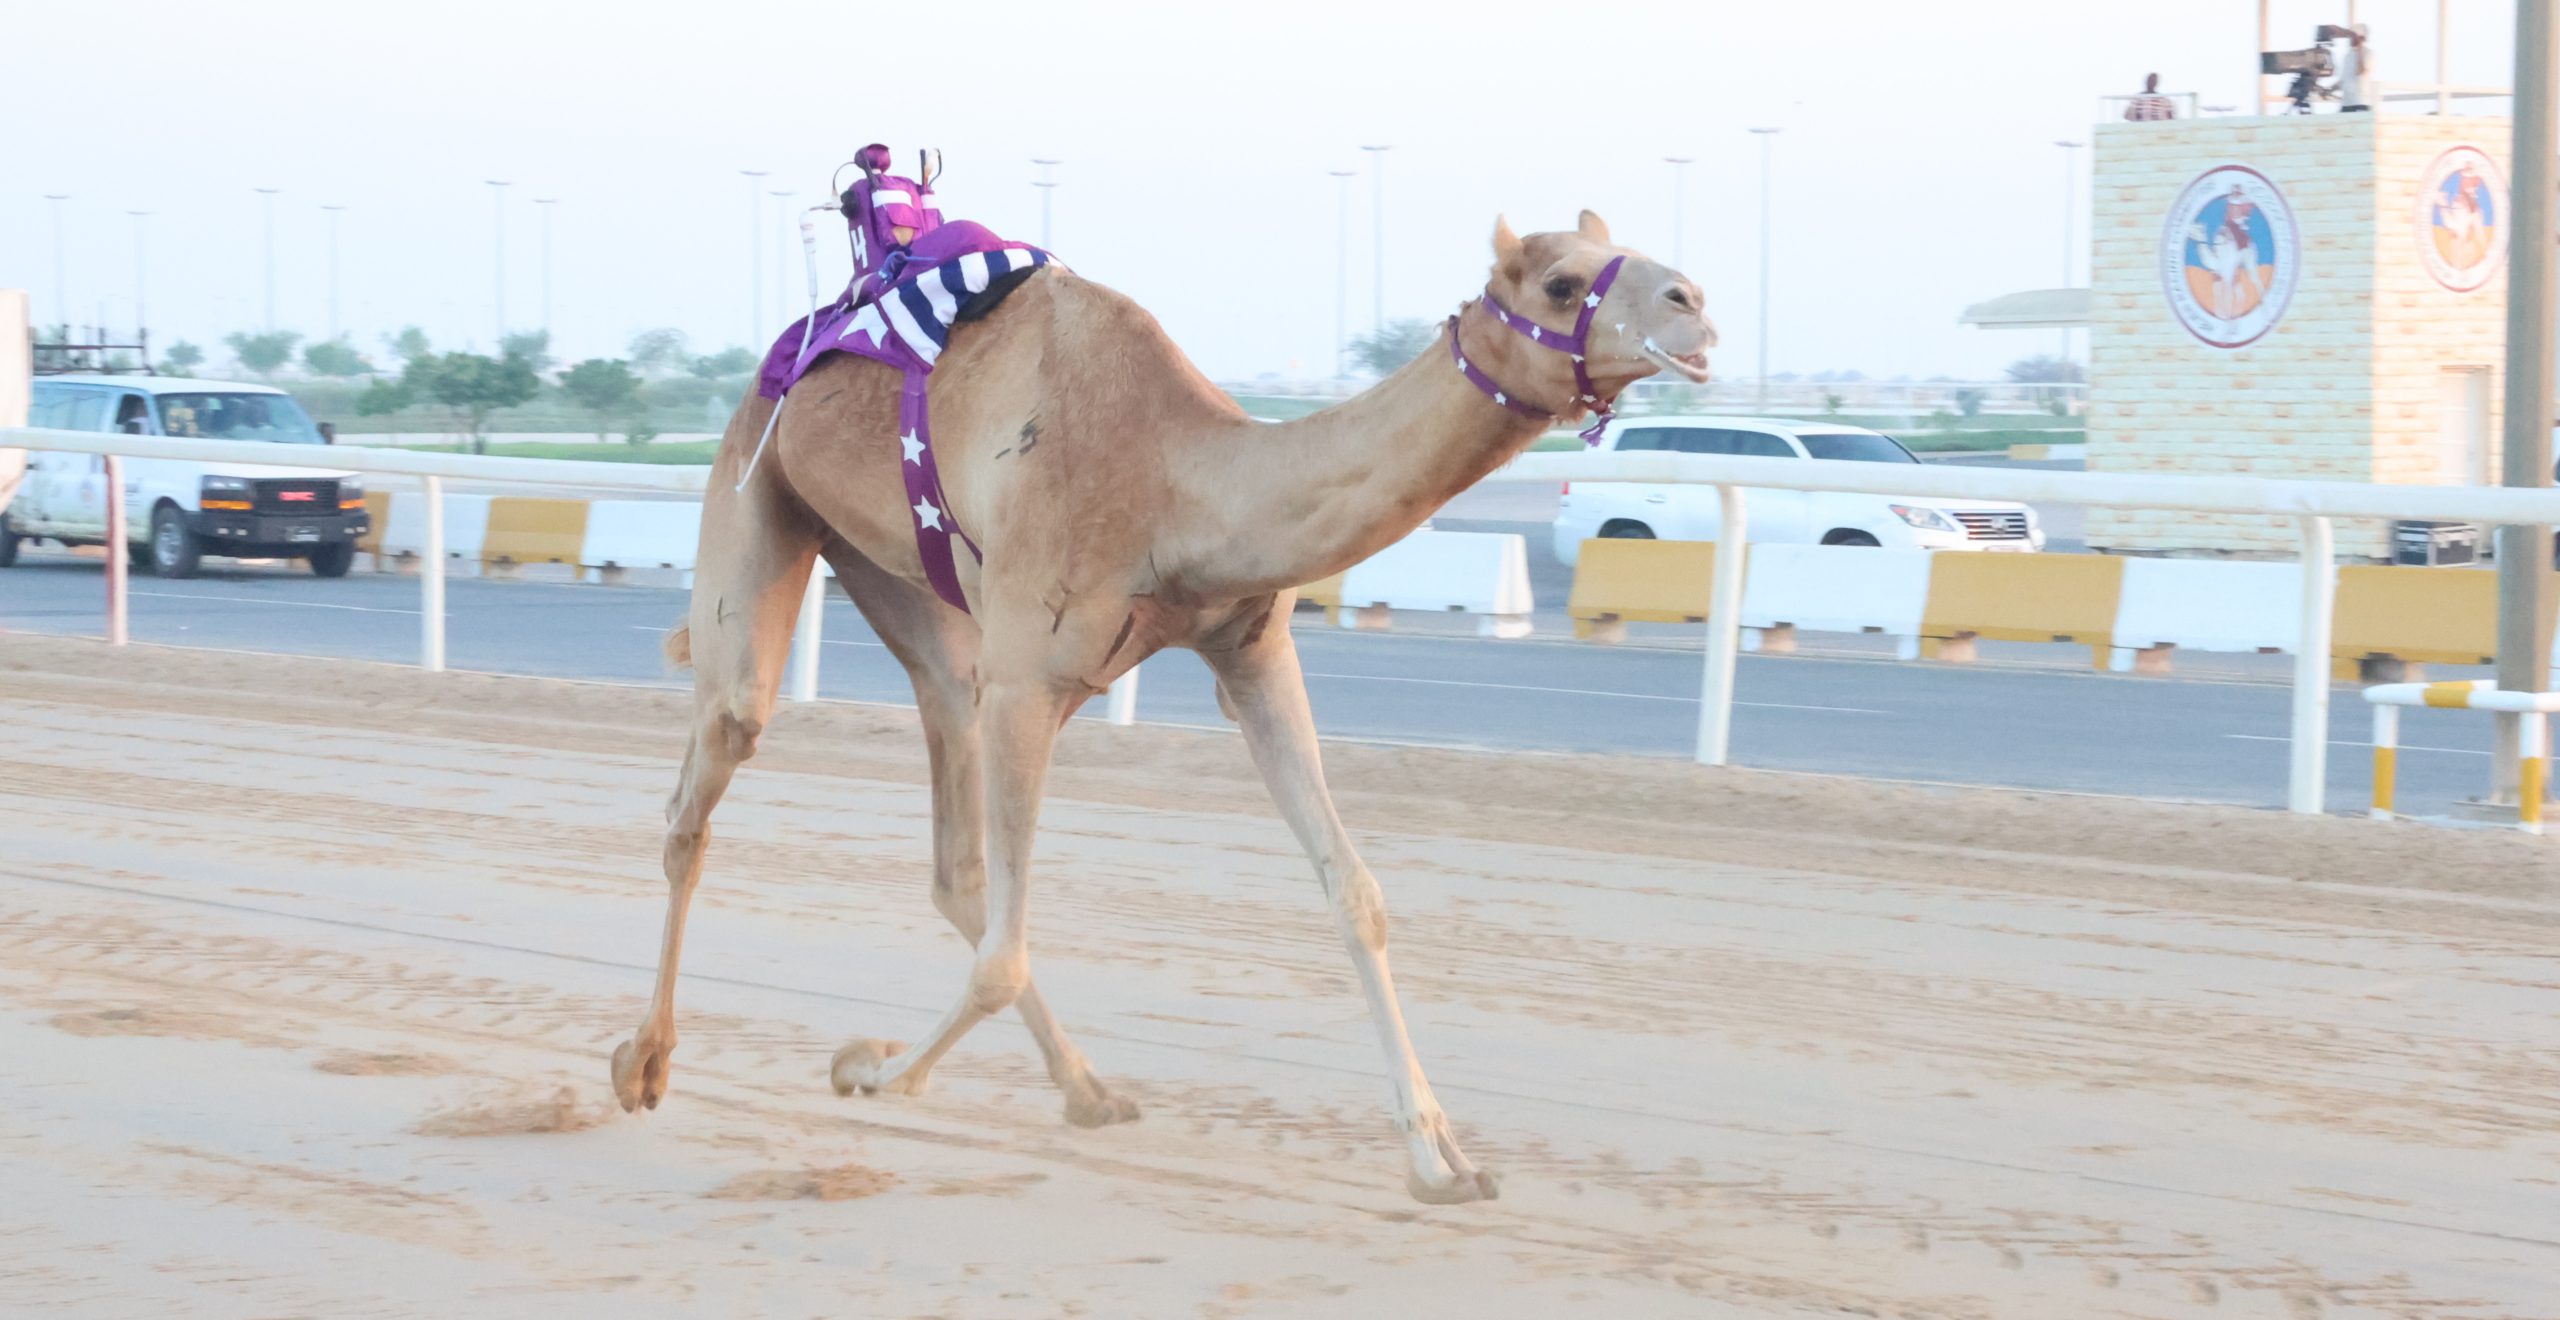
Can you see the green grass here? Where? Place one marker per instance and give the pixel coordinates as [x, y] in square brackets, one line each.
[696, 452]
[1975, 442]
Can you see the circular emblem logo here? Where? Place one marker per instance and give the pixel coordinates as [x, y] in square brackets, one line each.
[2462, 219]
[2230, 256]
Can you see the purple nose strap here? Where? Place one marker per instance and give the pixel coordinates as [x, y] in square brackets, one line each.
[1575, 345]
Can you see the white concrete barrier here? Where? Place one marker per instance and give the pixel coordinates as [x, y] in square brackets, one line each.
[2206, 605]
[642, 534]
[1835, 588]
[1481, 573]
[466, 526]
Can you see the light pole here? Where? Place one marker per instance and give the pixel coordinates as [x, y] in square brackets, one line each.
[1048, 188]
[2070, 207]
[139, 268]
[1342, 272]
[1679, 190]
[270, 227]
[755, 251]
[333, 210]
[546, 203]
[61, 285]
[1766, 136]
[781, 258]
[1378, 239]
[2524, 592]
[498, 200]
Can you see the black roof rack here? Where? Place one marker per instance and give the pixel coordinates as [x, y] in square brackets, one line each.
[94, 350]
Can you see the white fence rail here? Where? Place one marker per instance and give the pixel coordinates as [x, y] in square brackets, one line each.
[2312, 504]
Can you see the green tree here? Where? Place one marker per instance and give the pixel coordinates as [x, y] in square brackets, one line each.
[472, 386]
[663, 352]
[409, 345]
[534, 346]
[2046, 370]
[724, 364]
[182, 358]
[262, 354]
[1399, 343]
[334, 357]
[384, 396]
[607, 388]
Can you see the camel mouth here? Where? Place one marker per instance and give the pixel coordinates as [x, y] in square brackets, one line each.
[1693, 366]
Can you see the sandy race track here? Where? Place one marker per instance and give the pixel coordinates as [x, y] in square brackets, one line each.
[308, 972]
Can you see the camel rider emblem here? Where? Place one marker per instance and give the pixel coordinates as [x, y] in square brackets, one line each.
[2229, 256]
[2462, 219]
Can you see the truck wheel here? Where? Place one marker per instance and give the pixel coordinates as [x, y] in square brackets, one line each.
[334, 560]
[137, 557]
[9, 539]
[1626, 530]
[1850, 538]
[174, 552]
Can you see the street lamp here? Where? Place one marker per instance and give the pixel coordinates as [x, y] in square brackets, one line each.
[1048, 188]
[138, 269]
[498, 199]
[546, 203]
[1679, 189]
[1342, 272]
[1766, 136]
[781, 258]
[755, 252]
[270, 228]
[1378, 238]
[2070, 206]
[333, 210]
[61, 287]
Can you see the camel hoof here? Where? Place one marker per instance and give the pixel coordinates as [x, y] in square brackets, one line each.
[1461, 1188]
[1100, 1108]
[639, 1081]
[857, 1066]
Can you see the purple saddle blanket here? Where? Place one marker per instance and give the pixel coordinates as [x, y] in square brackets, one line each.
[901, 313]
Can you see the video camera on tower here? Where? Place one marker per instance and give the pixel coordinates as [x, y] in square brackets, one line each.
[2306, 67]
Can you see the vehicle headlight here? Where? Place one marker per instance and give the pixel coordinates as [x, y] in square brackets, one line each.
[1924, 517]
[350, 488]
[226, 485]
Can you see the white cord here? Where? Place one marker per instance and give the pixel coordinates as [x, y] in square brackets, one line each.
[809, 258]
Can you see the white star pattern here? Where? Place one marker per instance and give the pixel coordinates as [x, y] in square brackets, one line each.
[1591, 301]
[927, 515]
[1533, 332]
[1462, 364]
[914, 448]
[1497, 398]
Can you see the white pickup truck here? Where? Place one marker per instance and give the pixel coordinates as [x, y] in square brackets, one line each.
[178, 511]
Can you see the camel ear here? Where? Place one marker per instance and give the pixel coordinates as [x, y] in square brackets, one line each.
[1592, 227]
[1506, 244]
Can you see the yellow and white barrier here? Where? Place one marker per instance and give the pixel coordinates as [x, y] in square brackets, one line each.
[2476, 694]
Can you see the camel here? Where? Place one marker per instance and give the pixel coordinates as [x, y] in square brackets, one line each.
[1124, 506]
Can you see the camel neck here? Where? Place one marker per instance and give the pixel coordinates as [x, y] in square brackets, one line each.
[1311, 497]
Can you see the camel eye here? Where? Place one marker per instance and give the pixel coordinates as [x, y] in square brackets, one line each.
[1561, 288]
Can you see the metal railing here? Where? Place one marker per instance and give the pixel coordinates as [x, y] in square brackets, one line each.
[432, 469]
[2311, 504]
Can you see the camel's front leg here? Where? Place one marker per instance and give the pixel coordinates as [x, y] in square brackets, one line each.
[1262, 681]
[1019, 725]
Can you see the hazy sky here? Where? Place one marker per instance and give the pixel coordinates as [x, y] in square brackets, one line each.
[1917, 172]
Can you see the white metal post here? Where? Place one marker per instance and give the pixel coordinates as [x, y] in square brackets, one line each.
[1123, 708]
[2386, 758]
[431, 582]
[1724, 630]
[2307, 792]
[805, 638]
[118, 553]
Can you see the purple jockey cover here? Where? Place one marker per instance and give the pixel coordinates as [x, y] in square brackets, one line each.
[901, 313]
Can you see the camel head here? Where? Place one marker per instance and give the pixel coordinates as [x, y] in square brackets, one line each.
[1652, 318]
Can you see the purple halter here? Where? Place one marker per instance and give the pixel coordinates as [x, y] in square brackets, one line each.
[1575, 345]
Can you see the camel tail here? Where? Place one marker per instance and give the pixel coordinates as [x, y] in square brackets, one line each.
[679, 646]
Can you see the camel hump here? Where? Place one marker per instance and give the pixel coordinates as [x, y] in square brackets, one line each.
[679, 646]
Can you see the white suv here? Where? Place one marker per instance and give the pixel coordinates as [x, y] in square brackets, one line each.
[1680, 512]
[177, 512]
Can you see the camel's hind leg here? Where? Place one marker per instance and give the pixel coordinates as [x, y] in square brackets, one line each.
[756, 552]
[939, 647]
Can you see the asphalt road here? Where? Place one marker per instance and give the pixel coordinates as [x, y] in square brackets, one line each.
[2036, 719]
